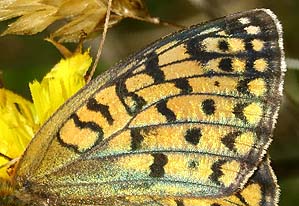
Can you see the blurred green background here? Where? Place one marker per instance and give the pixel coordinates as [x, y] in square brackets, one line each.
[25, 58]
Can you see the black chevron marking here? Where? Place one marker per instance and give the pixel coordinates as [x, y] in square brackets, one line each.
[217, 171]
[90, 125]
[164, 110]
[229, 140]
[238, 111]
[93, 105]
[83, 125]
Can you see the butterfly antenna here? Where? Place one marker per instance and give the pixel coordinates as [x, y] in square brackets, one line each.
[156, 20]
[101, 43]
[171, 24]
[11, 161]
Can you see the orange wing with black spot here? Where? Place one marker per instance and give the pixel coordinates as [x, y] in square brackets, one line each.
[191, 116]
[261, 189]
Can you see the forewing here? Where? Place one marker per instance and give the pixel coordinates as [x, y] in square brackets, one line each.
[189, 116]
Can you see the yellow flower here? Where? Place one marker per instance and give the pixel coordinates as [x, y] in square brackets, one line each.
[65, 79]
[20, 118]
[17, 127]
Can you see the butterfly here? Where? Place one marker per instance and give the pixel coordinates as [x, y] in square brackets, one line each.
[185, 121]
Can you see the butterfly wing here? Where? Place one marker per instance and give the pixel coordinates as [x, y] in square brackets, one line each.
[189, 116]
[260, 190]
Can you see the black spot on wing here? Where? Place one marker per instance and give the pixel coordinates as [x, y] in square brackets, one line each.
[242, 86]
[193, 164]
[194, 48]
[193, 136]
[152, 68]
[216, 84]
[179, 203]
[183, 85]
[223, 45]
[137, 139]
[215, 204]
[225, 64]
[157, 168]
[208, 106]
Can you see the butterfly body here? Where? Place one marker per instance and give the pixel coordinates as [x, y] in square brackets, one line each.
[184, 121]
